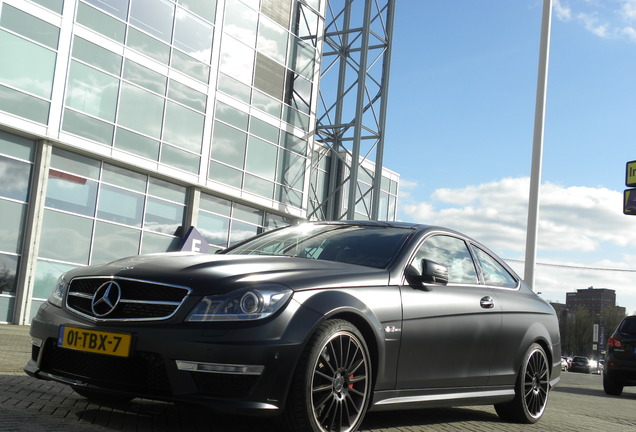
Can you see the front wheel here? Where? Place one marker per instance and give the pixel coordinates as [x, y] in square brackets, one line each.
[332, 383]
[531, 389]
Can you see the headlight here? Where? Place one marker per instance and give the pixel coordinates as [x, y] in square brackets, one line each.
[57, 294]
[241, 305]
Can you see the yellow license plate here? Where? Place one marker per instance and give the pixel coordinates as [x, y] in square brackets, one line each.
[117, 344]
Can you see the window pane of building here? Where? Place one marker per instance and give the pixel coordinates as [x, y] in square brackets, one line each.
[101, 22]
[240, 22]
[121, 206]
[180, 158]
[261, 158]
[234, 88]
[114, 241]
[124, 178]
[183, 127]
[237, 60]
[214, 228]
[147, 120]
[154, 17]
[216, 205]
[258, 186]
[228, 145]
[144, 77]
[71, 193]
[87, 127]
[225, 174]
[74, 232]
[264, 130]
[272, 40]
[206, 9]
[148, 45]
[247, 214]
[31, 66]
[96, 56]
[190, 66]
[29, 26]
[8, 272]
[231, 115]
[118, 8]
[12, 226]
[187, 96]
[193, 36]
[23, 105]
[163, 216]
[18, 147]
[167, 190]
[155, 243]
[137, 144]
[14, 179]
[241, 231]
[92, 91]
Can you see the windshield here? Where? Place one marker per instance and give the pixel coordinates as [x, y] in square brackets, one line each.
[373, 246]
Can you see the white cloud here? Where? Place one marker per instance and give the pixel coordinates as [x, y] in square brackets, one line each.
[601, 18]
[583, 234]
[570, 218]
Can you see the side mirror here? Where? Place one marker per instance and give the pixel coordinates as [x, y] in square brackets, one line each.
[433, 272]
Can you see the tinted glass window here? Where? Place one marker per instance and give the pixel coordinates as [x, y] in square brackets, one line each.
[628, 326]
[494, 273]
[362, 245]
[452, 253]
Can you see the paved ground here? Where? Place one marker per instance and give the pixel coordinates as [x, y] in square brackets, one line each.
[15, 348]
[578, 404]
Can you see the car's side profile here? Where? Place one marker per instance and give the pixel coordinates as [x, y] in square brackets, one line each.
[315, 324]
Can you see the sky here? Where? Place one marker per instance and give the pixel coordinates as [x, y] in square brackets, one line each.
[460, 127]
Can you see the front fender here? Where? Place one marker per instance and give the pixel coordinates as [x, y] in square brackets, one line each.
[379, 319]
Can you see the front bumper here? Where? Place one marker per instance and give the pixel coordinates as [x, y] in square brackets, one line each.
[247, 369]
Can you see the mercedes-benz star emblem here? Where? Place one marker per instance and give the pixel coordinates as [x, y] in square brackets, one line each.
[106, 298]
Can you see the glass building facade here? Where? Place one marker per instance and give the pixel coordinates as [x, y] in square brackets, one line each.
[125, 122]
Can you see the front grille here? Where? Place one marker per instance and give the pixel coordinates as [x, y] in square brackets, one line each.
[128, 299]
[143, 373]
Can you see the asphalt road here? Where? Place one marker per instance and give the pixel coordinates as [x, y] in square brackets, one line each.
[577, 404]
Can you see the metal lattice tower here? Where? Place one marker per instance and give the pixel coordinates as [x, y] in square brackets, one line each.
[352, 109]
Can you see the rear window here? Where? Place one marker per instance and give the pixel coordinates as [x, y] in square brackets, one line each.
[628, 326]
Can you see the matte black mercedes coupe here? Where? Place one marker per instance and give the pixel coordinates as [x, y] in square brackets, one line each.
[315, 323]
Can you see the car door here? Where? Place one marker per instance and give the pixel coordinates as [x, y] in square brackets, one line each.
[449, 332]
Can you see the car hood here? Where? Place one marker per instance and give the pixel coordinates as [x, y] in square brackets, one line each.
[211, 274]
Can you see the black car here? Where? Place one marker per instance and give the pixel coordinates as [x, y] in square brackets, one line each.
[619, 369]
[315, 323]
[580, 364]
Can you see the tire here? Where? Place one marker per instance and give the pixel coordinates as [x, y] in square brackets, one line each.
[101, 397]
[531, 389]
[611, 386]
[331, 386]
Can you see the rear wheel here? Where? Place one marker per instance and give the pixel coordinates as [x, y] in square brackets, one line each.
[531, 389]
[611, 386]
[332, 383]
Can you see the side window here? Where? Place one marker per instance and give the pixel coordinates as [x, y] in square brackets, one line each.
[452, 253]
[494, 273]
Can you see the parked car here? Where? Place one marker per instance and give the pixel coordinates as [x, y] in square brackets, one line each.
[564, 364]
[315, 324]
[620, 361]
[580, 364]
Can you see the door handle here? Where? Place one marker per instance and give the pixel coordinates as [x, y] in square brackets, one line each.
[487, 302]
